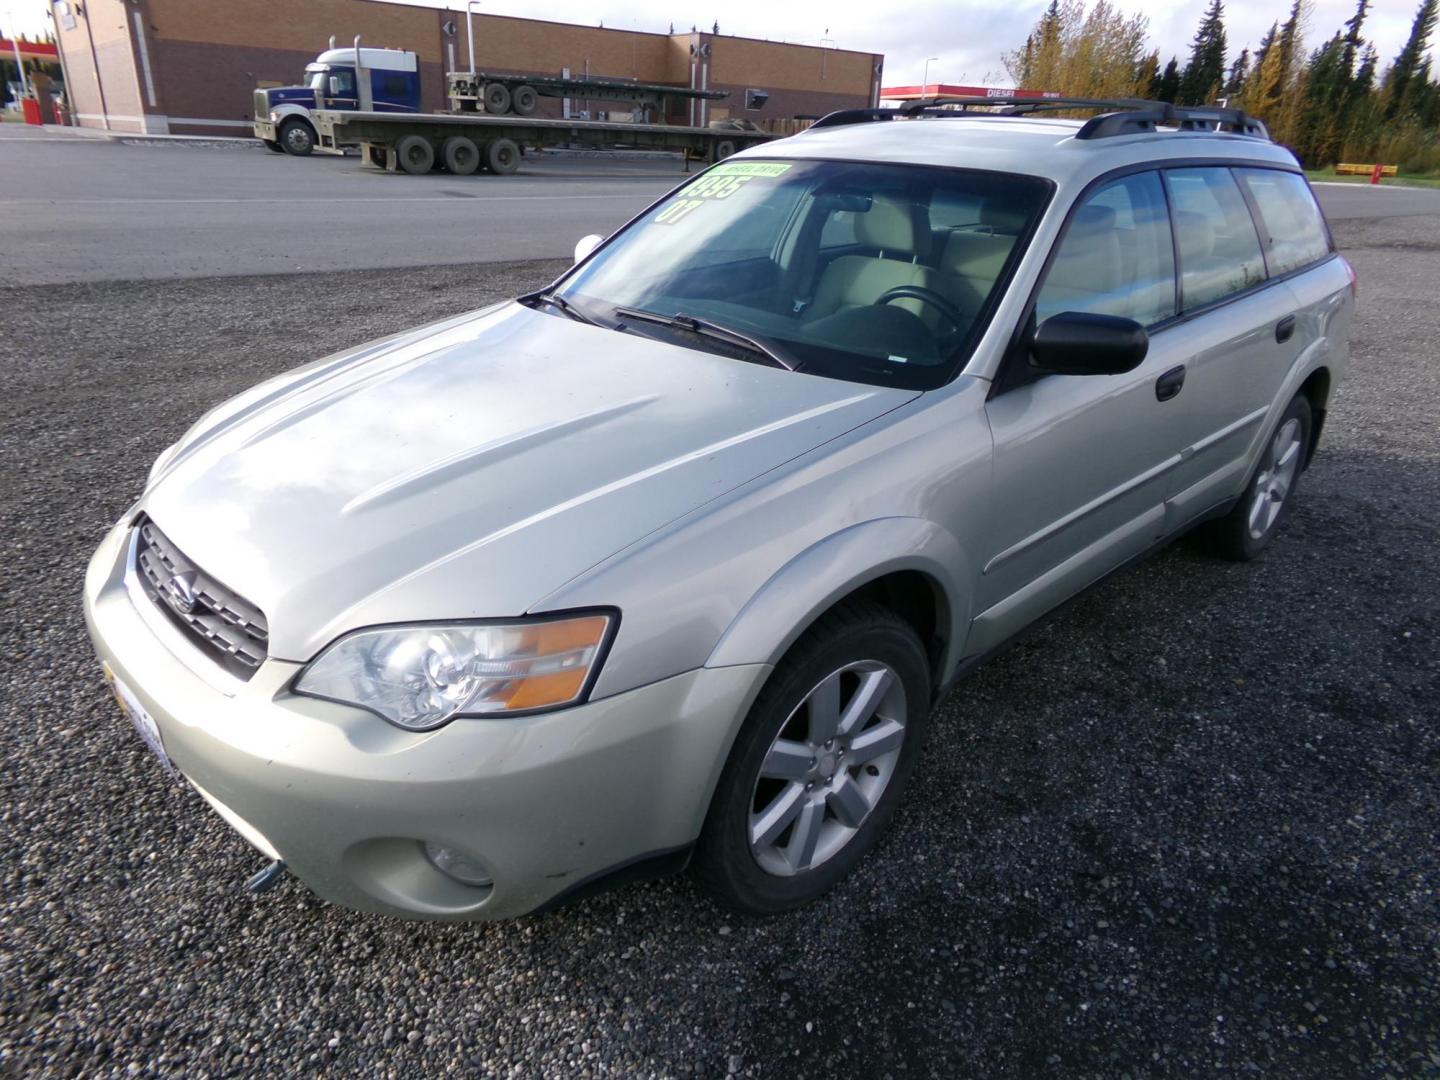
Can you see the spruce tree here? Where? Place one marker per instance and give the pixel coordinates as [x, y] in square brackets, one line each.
[1235, 81]
[1167, 87]
[1206, 69]
[1409, 76]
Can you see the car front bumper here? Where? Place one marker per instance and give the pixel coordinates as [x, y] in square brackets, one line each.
[545, 802]
[264, 129]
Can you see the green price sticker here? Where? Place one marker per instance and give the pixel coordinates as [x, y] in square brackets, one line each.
[718, 183]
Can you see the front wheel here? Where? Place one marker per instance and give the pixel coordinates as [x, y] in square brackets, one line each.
[820, 763]
[297, 137]
[1247, 530]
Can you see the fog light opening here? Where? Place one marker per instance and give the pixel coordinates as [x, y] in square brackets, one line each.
[458, 866]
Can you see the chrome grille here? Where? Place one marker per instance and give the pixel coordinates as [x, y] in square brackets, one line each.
[262, 106]
[225, 625]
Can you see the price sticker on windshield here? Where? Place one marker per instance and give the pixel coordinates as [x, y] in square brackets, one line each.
[718, 183]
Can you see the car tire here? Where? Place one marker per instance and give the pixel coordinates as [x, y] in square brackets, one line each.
[1269, 497]
[861, 672]
[273, 145]
[497, 98]
[502, 156]
[460, 154]
[524, 100]
[415, 155]
[297, 138]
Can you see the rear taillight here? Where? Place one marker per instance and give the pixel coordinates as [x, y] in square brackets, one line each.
[1354, 281]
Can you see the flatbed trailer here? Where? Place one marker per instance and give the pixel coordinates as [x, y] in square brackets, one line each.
[464, 142]
[499, 93]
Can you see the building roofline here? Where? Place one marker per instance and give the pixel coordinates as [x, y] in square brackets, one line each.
[623, 30]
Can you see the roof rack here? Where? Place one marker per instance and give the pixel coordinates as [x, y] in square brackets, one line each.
[1129, 116]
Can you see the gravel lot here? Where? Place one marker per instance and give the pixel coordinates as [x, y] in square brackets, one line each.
[1190, 827]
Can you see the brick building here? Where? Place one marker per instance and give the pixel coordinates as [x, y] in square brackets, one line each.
[189, 67]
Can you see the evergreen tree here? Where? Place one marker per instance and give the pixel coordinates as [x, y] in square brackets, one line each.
[1410, 75]
[1206, 69]
[1167, 86]
[1352, 36]
[1235, 81]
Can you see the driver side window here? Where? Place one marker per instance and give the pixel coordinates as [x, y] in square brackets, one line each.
[1116, 256]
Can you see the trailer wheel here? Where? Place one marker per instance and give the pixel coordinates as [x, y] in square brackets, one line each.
[415, 154]
[524, 99]
[502, 156]
[273, 145]
[461, 155]
[297, 137]
[723, 149]
[497, 98]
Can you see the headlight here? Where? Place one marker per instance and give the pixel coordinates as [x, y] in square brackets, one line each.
[419, 677]
[274, 118]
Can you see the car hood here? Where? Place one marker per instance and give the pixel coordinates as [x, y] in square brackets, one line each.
[470, 469]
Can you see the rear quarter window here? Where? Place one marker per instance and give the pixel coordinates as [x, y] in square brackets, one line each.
[1297, 235]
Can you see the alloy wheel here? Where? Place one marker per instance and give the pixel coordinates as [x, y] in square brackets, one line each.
[1275, 480]
[827, 768]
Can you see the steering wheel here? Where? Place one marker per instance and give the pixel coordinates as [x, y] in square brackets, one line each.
[925, 296]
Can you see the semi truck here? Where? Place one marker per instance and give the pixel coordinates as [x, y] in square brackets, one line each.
[379, 80]
[387, 81]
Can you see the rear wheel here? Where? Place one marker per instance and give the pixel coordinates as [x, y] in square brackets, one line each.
[415, 154]
[524, 100]
[497, 98]
[723, 149]
[461, 155]
[297, 137]
[820, 763]
[502, 156]
[1247, 530]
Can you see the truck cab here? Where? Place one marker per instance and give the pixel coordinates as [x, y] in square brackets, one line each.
[368, 80]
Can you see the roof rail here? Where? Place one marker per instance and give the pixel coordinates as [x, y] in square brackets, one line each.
[1130, 116]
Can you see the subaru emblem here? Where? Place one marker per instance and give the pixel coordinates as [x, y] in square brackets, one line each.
[180, 591]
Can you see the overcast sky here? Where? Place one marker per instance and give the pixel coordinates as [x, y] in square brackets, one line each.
[967, 38]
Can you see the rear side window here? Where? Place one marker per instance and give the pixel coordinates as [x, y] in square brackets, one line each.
[1219, 248]
[1116, 257]
[1288, 211]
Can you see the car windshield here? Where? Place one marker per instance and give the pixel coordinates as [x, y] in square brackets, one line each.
[876, 273]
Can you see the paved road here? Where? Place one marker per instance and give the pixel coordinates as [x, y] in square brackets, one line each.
[1343, 201]
[76, 209]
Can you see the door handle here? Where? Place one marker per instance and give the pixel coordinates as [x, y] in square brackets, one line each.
[1169, 384]
[1284, 329]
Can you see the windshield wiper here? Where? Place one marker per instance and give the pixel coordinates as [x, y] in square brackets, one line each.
[559, 303]
[770, 351]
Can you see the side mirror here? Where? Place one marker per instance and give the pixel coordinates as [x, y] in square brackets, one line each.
[334, 86]
[1079, 343]
[586, 244]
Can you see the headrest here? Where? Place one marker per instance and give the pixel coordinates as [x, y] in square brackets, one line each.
[1003, 216]
[976, 255]
[1195, 235]
[889, 225]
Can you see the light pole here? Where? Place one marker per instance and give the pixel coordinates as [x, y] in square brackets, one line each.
[925, 79]
[19, 63]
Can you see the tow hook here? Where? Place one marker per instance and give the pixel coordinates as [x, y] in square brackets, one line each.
[265, 880]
